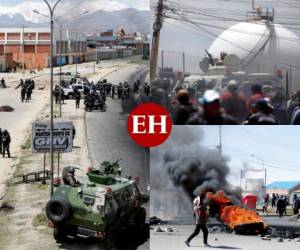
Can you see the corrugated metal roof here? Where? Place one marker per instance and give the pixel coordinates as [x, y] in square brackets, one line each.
[283, 185]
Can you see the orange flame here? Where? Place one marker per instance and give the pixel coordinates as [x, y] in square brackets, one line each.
[219, 197]
[235, 215]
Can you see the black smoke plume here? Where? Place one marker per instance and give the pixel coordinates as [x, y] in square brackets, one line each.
[190, 166]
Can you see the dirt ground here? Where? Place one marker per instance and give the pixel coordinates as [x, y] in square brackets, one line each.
[25, 227]
[19, 121]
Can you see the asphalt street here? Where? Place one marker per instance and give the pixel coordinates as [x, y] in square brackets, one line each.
[108, 140]
[175, 240]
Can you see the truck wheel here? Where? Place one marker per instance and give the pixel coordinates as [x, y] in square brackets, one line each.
[70, 96]
[140, 219]
[59, 234]
[57, 210]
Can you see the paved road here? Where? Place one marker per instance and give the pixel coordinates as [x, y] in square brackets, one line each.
[175, 240]
[108, 140]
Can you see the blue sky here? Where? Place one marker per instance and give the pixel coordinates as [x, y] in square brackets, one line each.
[26, 7]
[277, 146]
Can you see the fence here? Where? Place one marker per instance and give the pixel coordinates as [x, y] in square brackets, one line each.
[179, 61]
[107, 54]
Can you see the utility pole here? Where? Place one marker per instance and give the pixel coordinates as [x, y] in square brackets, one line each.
[23, 50]
[253, 4]
[155, 38]
[60, 52]
[162, 59]
[183, 64]
[51, 91]
[265, 181]
[220, 139]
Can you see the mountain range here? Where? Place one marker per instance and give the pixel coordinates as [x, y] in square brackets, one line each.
[131, 20]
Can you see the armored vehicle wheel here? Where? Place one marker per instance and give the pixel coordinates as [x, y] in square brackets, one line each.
[57, 210]
[140, 219]
[70, 96]
[59, 234]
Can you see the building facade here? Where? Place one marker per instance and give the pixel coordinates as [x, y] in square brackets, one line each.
[30, 47]
[283, 187]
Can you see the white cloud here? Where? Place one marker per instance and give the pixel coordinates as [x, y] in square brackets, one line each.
[26, 7]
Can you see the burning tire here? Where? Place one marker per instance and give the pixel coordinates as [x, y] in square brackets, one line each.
[250, 229]
[58, 210]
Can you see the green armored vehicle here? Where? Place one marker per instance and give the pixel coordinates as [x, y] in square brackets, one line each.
[102, 203]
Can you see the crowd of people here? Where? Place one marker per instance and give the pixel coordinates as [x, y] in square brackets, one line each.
[98, 92]
[237, 103]
[27, 88]
[5, 141]
[280, 202]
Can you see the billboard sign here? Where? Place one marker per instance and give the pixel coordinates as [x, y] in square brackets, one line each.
[62, 137]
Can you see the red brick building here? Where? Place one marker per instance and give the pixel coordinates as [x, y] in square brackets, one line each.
[28, 45]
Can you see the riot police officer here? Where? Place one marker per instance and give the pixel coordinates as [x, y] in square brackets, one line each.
[5, 143]
[1, 140]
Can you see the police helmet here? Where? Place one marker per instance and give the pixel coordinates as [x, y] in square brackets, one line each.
[71, 170]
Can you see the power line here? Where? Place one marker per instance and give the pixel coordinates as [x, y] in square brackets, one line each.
[73, 8]
[235, 45]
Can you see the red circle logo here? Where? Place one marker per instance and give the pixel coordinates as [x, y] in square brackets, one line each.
[149, 125]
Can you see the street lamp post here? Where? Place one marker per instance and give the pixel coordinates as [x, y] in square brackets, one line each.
[51, 90]
[60, 53]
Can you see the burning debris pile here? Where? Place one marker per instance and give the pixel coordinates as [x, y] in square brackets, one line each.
[242, 220]
[195, 169]
[237, 218]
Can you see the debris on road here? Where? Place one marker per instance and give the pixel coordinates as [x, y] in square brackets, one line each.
[6, 207]
[6, 109]
[164, 230]
[156, 221]
[267, 237]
